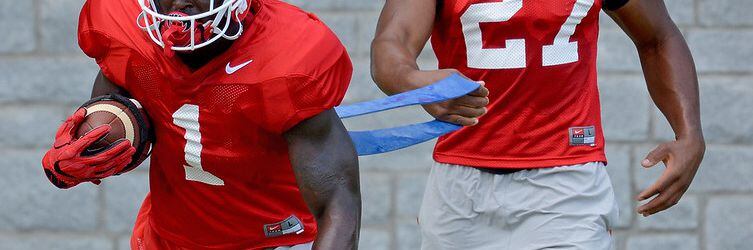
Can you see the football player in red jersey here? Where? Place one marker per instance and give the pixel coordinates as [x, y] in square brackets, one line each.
[248, 151]
[529, 173]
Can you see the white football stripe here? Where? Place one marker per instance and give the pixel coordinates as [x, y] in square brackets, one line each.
[136, 102]
[127, 123]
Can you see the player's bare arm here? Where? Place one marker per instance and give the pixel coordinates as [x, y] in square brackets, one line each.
[326, 169]
[672, 82]
[103, 86]
[403, 29]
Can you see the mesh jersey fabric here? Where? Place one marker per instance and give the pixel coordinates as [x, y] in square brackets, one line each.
[538, 59]
[220, 168]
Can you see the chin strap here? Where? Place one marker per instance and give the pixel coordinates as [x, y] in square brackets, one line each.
[391, 139]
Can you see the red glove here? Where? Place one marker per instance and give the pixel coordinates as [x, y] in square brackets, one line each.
[66, 167]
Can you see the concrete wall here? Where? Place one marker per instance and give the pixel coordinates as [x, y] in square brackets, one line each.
[43, 77]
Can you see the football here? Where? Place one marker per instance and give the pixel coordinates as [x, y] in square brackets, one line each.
[128, 121]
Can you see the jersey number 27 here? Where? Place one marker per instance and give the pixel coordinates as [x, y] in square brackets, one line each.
[513, 56]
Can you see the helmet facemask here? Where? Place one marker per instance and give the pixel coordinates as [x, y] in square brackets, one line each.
[177, 31]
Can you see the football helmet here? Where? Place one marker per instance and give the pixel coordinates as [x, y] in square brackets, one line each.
[177, 31]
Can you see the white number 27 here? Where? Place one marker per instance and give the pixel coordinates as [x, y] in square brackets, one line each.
[513, 56]
[187, 117]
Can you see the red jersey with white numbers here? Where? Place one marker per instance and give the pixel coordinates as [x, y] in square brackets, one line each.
[538, 59]
[220, 175]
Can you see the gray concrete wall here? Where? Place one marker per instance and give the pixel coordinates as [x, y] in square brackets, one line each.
[43, 77]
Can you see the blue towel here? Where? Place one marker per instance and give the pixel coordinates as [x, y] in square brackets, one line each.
[391, 139]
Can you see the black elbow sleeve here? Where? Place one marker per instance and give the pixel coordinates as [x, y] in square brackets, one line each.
[613, 5]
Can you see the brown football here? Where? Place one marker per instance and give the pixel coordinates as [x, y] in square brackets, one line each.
[124, 126]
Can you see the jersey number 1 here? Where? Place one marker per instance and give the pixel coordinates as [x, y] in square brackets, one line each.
[513, 56]
[187, 117]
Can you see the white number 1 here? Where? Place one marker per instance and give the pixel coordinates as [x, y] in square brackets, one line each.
[187, 117]
[513, 56]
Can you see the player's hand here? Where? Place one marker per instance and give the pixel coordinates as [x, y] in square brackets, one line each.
[682, 159]
[464, 110]
[64, 165]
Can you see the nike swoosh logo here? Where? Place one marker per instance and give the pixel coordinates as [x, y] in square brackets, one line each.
[232, 69]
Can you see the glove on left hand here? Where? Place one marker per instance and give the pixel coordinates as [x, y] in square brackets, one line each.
[64, 165]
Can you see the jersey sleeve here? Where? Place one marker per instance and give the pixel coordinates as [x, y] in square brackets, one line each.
[98, 47]
[103, 35]
[320, 93]
[291, 99]
[309, 74]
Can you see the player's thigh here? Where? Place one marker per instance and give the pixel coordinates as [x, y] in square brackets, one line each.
[569, 207]
[454, 209]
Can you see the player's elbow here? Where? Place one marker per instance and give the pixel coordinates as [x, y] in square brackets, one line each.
[341, 210]
[344, 209]
[378, 73]
[336, 192]
[658, 40]
[379, 60]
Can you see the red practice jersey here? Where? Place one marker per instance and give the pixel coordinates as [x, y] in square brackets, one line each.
[220, 175]
[538, 59]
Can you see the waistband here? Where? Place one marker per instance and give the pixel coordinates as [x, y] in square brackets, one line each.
[500, 170]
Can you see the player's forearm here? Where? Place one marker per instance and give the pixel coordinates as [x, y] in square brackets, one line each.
[334, 198]
[326, 169]
[330, 186]
[672, 82]
[667, 64]
[339, 221]
[391, 65]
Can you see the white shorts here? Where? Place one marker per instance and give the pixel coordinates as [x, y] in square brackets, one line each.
[306, 246]
[568, 207]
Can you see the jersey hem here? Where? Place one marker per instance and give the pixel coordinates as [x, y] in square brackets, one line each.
[175, 239]
[523, 163]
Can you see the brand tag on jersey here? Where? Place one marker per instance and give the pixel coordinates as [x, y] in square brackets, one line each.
[583, 136]
[291, 225]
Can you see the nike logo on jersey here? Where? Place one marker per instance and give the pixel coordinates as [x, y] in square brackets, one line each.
[291, 225]
[232, 69]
